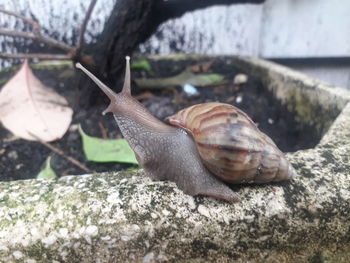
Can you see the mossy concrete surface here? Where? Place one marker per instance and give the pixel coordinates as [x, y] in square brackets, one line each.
[126, 217]
[314, 102]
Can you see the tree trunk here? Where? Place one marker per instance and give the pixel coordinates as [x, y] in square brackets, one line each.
[132, 22]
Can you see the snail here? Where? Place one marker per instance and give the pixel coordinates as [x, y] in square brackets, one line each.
[201, 148]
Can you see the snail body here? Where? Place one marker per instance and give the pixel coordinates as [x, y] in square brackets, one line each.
[201, 148]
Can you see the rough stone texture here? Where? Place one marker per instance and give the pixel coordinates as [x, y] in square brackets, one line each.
[314, 102]
[125, 217]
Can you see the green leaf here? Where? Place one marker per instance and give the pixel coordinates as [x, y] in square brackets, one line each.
[141, 65]
[185, 77]
[205, 79]
[101, 150]
[47, 172]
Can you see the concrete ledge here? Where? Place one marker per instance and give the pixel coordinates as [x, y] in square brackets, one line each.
[125, 217]
[313, 101]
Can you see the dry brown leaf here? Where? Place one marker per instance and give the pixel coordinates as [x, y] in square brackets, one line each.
[144, 95]
[201, 67]
[32, 111]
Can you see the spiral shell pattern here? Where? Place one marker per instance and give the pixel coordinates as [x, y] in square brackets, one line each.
[231, 146]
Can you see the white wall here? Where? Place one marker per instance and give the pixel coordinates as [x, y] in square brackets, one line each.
[305, 28]
[290, 29]
[276, 29]
[335, 73]
[228, 30]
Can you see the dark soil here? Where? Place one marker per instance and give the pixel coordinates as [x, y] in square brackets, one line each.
[21, 159]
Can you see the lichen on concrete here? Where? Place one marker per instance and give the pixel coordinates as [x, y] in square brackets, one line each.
[313, 101]
[126, 217]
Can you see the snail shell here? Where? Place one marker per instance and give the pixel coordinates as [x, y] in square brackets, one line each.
[230, 144]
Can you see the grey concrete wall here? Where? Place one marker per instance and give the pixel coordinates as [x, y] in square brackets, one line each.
[336, 73]
[277, 29]
[226, 30]
[304, 28]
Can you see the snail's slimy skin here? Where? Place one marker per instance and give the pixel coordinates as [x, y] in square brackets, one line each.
[234, 150]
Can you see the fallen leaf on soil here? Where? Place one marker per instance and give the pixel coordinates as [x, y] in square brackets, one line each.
[144, 95]
[201, 67]
[47, 172]
[186, 77]
[111, 150]
[29, 108]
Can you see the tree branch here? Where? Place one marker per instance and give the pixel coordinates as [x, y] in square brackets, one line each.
[71, 51]
[62, 153]
[68, 158]
[172, 9]
[37, 37]
[35, 25]
[14, 33]
[85, 22]
[38, 56]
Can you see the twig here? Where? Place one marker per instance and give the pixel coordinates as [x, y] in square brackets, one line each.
[54, 43]
[60, 152]
[37, 37]
[103, 130]
[68, 158]
[39, 56]
[14, 33]
[35, 25]
[71, 51]
[85, 22]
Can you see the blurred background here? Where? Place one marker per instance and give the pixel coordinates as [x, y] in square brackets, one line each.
[311, 36]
